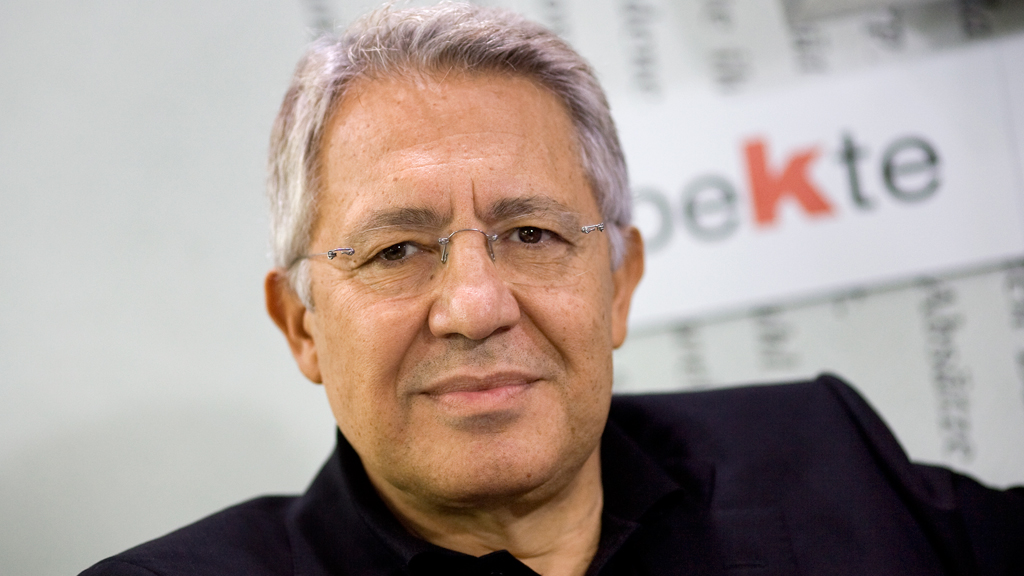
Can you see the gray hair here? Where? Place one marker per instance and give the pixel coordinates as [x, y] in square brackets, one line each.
[394, 43]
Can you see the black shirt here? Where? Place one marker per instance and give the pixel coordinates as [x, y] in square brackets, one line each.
[797, 479]
[624, 512]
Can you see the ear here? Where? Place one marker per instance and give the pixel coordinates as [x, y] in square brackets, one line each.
[626, 277]
[291, 316]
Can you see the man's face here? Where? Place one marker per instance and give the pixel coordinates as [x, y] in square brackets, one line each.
[476, 388]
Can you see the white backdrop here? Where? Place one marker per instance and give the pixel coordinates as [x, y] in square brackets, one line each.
[142, 386]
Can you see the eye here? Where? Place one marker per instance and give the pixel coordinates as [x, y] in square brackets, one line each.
[398, 252]
[531, 234]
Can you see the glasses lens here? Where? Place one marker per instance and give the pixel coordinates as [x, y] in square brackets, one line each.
[392, 261]
[537, 256]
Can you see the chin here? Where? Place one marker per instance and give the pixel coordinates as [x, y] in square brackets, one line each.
[486, 488]
[508, 474]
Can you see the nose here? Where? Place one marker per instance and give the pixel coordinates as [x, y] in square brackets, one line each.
[473, 301]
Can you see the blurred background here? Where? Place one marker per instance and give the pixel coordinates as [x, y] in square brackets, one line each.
[823, 185]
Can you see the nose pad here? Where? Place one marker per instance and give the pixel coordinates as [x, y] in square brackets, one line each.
[446, 241]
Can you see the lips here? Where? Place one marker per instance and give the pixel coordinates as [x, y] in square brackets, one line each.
[481, 394]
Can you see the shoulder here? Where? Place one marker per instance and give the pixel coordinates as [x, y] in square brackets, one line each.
[792, 445]
[766, 420]
[816, 455]
[250, 538]
[763, 403]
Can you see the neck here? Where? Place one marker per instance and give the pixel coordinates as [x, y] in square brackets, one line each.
[555, 535]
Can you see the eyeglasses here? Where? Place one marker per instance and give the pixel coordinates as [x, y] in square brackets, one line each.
[404, 261]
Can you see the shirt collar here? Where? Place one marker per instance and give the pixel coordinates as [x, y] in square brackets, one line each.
[634, 485]
[372, 510]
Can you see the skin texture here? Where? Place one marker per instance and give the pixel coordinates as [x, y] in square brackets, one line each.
[477, 407]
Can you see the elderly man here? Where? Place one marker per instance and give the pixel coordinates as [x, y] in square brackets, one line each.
[454, 263]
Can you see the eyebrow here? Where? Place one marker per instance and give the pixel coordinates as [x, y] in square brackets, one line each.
[512, 208]
[420, 218]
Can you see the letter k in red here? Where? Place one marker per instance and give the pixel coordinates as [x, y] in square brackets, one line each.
[768, 188]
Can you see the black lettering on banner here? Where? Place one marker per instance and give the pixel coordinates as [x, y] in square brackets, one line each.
[843, 304]
[810, 43]
[774, 335]
[1014, 286]
[709, 208]
[850, 154]
[719, 12]
[655, 241]
[976, 18]
[910, 169]
[639, 21]
[731, 66]
[950, 378]
[692, 363]
[888, 29]
[1020, 371]
[1015, 296]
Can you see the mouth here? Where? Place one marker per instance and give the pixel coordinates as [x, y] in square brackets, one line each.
[475, 395]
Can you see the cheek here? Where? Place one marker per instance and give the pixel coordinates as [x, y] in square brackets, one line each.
[362, 334]
[361, 345]
[576, 322]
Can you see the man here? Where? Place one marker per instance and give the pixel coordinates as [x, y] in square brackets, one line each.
[454, 263]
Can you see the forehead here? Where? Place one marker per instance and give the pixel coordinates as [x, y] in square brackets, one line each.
[451, 144]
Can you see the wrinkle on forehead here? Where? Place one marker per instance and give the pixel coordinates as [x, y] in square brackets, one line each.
[424, 107]
[463, 147]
